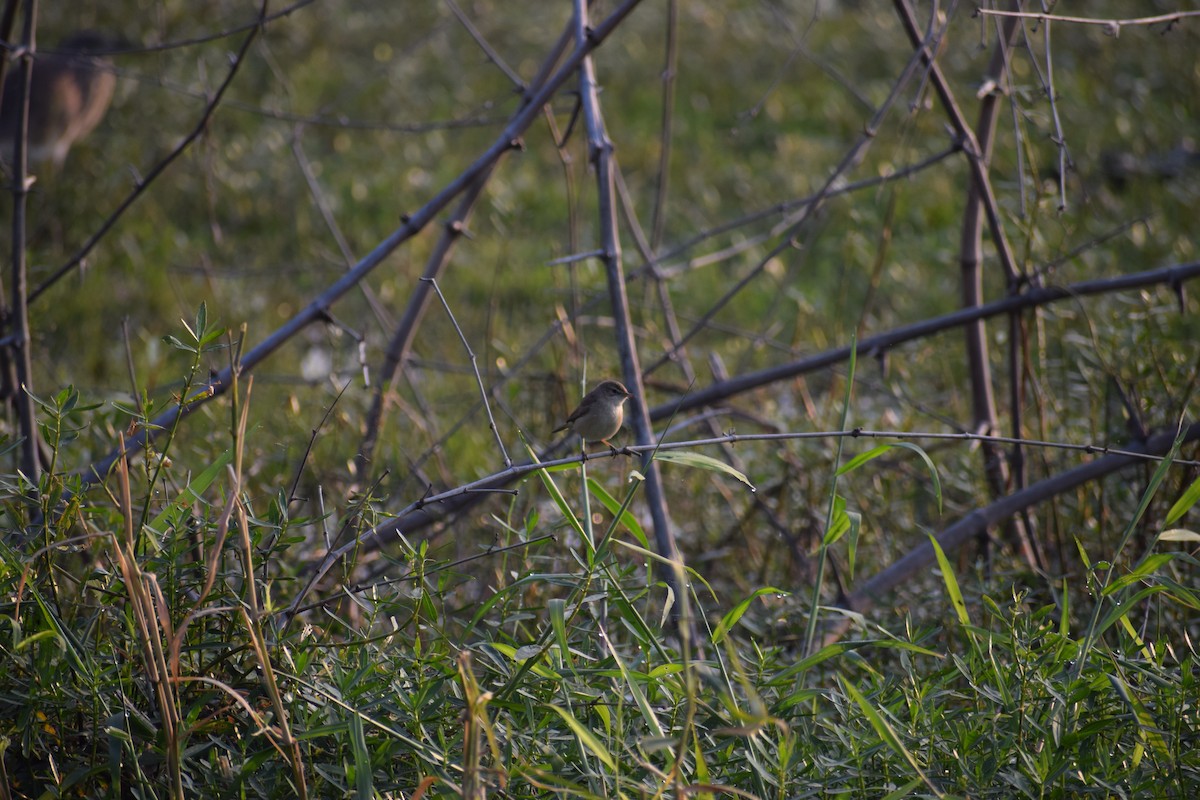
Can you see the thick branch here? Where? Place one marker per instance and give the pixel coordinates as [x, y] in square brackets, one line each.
[601, 150]
[874, 344]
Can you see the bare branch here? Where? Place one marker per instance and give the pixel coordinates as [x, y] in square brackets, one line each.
[1111, 26]
[950, 539]
[161, 167]
[600, 149]
[21, 338]
[505, 142]
[483, 393]
[428, 510]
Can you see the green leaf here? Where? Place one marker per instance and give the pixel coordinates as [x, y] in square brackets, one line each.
[731, 618]
[556, 495]
[852, 542]
[701, 461]
[525, 657]
[863, 458]
[876, 452]
[1189, 498]
[882, 728]
[1148, 566]
[839, 522]
[364, 785]
[178, 345]
[179, 506]
[903, 791]
[625, 517]
[558, 621]
[588, 739]
[1179, 535]
[126, 408]
[67, 399]
[933, 473]
[1126, 605]
[1148, 728]
[639, 696]
[956, 598]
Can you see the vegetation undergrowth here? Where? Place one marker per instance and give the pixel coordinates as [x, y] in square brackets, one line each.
[148, 655]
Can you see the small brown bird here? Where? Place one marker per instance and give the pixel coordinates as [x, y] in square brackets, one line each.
[68, 96]
[600, 413]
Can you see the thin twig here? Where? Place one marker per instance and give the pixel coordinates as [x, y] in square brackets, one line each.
[784, 208]
[312, 441]
[483, 393]
[852, 158]
[400, 346]
[1112, 26]
[575, 258]
[666, 126]
[951, 538]
[431, 509]
[23, 396]
[487, 49]
[161, 167]
[1060, 137]
[971, 145]
[335, 230]
[508, 139]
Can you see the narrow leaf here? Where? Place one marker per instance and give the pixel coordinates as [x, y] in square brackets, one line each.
[588, 739]
[702, 462]
[626, 517]
[734, 614]
[956, 598]
[1189, 498]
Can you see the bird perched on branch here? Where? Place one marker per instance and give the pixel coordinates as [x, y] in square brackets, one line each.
[69, 94]
[600, 413]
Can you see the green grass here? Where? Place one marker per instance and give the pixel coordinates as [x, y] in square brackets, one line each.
[544, 660]
[560, 676]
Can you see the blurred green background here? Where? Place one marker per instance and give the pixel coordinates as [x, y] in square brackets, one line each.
[387, 102]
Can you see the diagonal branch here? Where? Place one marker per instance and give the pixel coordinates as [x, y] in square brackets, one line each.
[971, 145]
[400, 346]
[430, 510]
[1171, 276]
[160, 167]
[508, 140]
